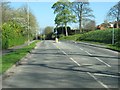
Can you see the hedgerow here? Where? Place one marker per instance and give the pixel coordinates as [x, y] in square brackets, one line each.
[102, 36]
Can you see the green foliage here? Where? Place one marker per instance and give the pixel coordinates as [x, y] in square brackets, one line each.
[10, 59]
[11, 35]
[103, 36]
[64, 15]
[17, 24]
[71, 37]
[48, 32]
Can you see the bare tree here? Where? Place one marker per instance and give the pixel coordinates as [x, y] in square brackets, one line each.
[6, 11]
[82, 11]
[114, 13]
[90, 25]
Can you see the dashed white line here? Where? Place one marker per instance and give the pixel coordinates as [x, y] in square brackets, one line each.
[103, 62]
[88, 53]
[105, 86]
[81, 49]
[75, 62]
[64, 52]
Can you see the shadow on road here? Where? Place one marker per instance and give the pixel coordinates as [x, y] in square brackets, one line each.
[75, 68]
[70, 53]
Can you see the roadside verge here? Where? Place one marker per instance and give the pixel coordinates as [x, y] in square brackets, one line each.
[14, 58]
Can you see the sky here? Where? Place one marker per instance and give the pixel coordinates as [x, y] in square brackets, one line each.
[45, 14]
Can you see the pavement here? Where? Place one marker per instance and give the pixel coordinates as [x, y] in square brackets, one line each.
[66, 65]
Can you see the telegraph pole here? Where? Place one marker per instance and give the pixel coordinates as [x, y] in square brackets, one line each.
[28, 21]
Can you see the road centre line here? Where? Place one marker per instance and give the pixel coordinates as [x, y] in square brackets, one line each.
[88, 53]
[81, 49]
[105, 86]
[75, 61]
[68, 56]
[64, 52]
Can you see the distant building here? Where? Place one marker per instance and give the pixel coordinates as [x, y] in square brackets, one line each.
[103, 26]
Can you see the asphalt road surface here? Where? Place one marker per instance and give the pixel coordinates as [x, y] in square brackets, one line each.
[66, 65]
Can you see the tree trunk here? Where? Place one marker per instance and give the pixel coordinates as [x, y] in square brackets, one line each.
[80, 25]
[66, 32]
[80, 19]
[117, 23]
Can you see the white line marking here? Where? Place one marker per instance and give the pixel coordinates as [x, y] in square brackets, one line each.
[81, 49]
[97, 74]
[87, 72]
[64, 52]
[88, 53]
[103, 62]
[105, 86]
[75, 61]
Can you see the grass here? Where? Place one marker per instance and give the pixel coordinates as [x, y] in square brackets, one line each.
[96, 37]
[10, 59]
[109, 46]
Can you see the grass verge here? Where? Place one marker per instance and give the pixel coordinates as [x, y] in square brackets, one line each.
[10, 59]
[75, 37]
[108, 46]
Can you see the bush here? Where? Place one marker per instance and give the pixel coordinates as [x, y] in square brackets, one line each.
[11, 35]
[102, 36]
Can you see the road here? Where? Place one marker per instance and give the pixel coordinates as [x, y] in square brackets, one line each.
[66, 65]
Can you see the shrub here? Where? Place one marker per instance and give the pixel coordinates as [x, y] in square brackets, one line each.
[103, 36]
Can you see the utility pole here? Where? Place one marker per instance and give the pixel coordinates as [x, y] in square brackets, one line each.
[28, 21]
[113, 34]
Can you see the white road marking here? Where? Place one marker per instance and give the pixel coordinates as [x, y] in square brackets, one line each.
[75, 61]
[98, 59]
[88, 53]
[57, 47]
[103, 62]
[97, 74]
[81, 49]
[64, 52]
[105, 86]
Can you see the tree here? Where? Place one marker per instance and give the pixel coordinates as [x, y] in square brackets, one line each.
[48, 32]
[15, 23]
[64, 15]
[27, 20]
[90, 25]
[114, 13]
[82, 12]
[6, 11]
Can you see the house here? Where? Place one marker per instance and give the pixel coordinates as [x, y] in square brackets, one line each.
[103, 26]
